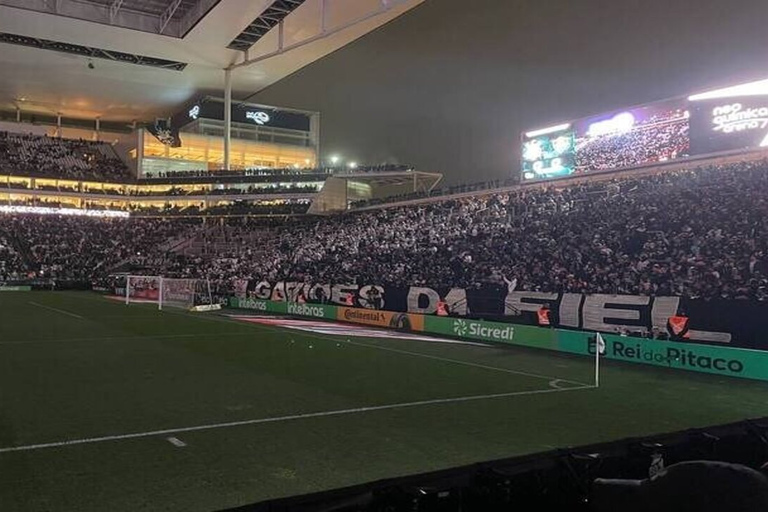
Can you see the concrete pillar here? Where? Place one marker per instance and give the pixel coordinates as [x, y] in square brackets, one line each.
[227, 116]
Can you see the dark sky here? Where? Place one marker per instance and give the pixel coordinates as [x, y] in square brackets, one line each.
[450, 85]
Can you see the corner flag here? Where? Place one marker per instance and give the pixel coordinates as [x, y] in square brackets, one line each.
[599, 350]
[600, 344]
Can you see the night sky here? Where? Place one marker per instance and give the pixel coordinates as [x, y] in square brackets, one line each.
[450, 85]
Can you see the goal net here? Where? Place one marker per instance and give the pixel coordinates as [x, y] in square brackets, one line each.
[182, 293]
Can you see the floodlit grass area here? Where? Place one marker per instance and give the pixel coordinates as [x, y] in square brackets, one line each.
[91, 391]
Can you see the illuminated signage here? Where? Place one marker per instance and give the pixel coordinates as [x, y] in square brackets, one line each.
[257, 117]
[41, 210]
[545, 131]
[734, 117]
[194, 112]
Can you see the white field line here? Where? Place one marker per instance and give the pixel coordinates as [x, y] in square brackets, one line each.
[327, 337]
[549, 378]
[124, 338]
[277, 419]
[175, 441]
[57, 310]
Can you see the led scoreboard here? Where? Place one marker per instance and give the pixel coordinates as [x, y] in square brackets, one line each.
[548, 153]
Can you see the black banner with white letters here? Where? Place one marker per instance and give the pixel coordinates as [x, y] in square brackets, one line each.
[737, 323]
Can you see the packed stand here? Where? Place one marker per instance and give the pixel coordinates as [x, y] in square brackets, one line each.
[81, 248]
[697, 233]
[43, 156]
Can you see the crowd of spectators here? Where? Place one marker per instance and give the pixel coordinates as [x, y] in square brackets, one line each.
[698, 233]
[35, 155]
[237, 208]
[436, 192]
[662, 137]
[11, 266]
[83, 248]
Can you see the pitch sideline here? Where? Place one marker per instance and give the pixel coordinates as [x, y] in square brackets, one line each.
[277, 419]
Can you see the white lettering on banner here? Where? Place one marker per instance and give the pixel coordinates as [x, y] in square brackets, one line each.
[597, 309]
[596, 312]
[456, 299]
[734, 117]
[339, 292]
[258, 305]
[262, 290]
[517, 302]
[311, 291]
[305, 310]
[363, 299]
[292, 290]
[194, 112]
[278, 292]
[415, 294]
[257, 117]
[470, 329]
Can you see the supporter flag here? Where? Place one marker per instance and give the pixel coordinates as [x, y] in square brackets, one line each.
[165, 133]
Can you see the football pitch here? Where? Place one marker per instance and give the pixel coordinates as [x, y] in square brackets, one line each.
[124, 408]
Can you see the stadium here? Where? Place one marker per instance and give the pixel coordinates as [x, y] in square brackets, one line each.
[262, 256]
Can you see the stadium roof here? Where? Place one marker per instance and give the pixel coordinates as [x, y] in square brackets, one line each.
[124, 60]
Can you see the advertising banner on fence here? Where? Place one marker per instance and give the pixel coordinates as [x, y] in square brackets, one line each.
[312, 310]
[265, 306]
[11, 288]
[726, 361]
[394, 320]
[715, 321]
[731, 362]
[497, 332]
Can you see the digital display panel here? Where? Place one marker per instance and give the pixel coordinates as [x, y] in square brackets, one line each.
[643, 135]
[628, 138]
[549, 155]
[243, 113]
[727, 119]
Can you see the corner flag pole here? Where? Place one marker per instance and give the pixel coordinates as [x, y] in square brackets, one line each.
[599, 347]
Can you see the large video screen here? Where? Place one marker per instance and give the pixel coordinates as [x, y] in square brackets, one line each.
[626, 138]
[729, 123]
[653, 133]
[548, 155]
[728, 119]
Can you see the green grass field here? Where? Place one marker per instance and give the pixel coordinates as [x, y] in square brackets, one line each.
[91, 390]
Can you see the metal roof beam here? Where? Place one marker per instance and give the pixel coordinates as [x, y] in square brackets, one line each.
[87, 51]
[167, 15]
[390, 4]
[114, 9]
[267, 20]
